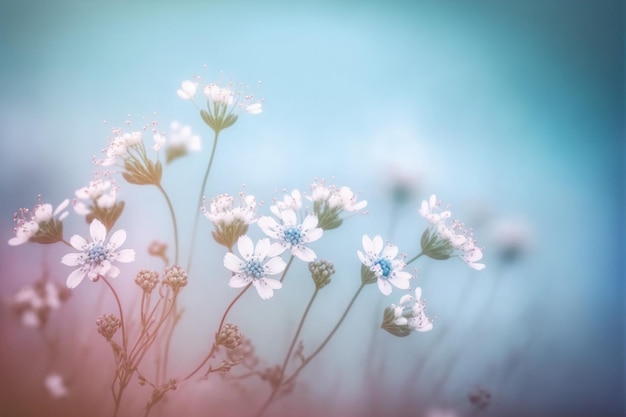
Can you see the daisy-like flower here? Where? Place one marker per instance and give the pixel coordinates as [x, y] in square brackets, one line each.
[224, 103]
[330, 202]
[41, 225]
[251, 268]
[291, 235]
[380, 265]
[442, 240]
[96, 258]
[230, 221]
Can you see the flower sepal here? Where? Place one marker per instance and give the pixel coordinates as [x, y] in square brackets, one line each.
[218, 123]
[148, 174]
[389, 324]
[367, 275]
[108, 216]
[49, 232]
[434, 247]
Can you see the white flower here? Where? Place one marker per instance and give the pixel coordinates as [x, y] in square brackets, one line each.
[222, 210]
[182, 137]
[256, 108]
[291, 235]
[95, 259]
[411, 312]
[98, 192]
[28, 223]
[383, 263]
[187, 90]
[217, 94]
[431, 211]
[56, 385]
[224, 103]
[291, 201]
[452, 239]
[251, 268]
[33, 303]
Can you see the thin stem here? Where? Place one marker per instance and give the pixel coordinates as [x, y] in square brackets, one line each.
[171, 207]
[413, 259]
[330, 335]
[194, 231]
[219, 329]
[282, 277]
[286, 360]
[119, 307]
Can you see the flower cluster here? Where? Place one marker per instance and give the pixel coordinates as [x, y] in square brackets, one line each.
[175, 277]
[98, 200]
[409, 315]
[224, 103]
[108, 324]
[33, 303]
[329, 202]
[442, 241]
[39, 225]
[179, 142]
[230, 221]
[147, 280]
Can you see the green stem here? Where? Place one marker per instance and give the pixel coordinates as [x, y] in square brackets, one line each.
[286, 360]
[282, 277]
[171, 207]
[413, 259]
[194, 230]
[219, 329]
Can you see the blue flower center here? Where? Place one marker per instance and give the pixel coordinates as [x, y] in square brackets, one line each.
[254, 269]
[292, 236]
[96, 254]
[385, 266]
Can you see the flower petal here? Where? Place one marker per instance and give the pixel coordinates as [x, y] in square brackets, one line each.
[126, 255]
[245, 247]
[233, 263]
[274, 266]
[239, 280]
[117, 239]
[310, 222]
[97, 231]
[78, 242]
[390, 251]
[75, 278]
[262, 248]
[384, 286]
[303, 253]
[72, 259]
[313, 235]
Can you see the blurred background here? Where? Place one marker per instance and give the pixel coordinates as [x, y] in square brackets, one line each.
[511, 112]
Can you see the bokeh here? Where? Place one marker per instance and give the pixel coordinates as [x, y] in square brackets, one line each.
[510, 111]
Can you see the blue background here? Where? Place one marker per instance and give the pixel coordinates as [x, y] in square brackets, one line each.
[504, 109]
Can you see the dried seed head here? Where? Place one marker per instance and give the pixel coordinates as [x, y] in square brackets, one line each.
[147, 280]
[108, 325]
[175, 277]
[229, 336]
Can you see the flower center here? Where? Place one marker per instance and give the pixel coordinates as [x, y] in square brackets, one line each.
[96, 254]
[385, 266]
[292, 236]
[254, 269]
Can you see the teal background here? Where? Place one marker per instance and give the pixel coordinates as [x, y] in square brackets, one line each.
[504, 109]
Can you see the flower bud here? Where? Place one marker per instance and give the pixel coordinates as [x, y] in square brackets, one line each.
[108, 325]
[321, 271]
[175, 277]
[147, 280]
[229, 336]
